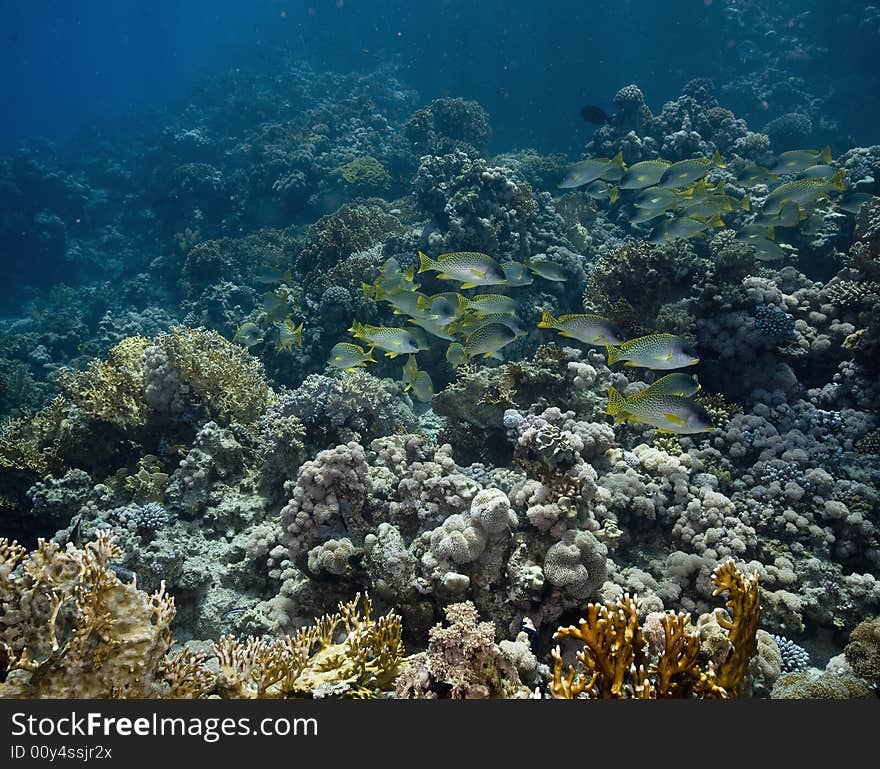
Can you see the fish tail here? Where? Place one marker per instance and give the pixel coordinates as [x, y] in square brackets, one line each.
[370, 355]
[613, 194]
[745, 203]
[718, 160]
[616, 402]
[837, 181]
[425, 263]
[547, 320]
[367, 290]
[825, 155]
[618, 161]
[613, 354]
[298, 334]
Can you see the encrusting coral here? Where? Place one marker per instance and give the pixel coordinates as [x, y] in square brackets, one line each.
[615, 659]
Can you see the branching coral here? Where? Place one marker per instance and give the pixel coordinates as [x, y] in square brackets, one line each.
[615, 660]
[70, 628]
[229, 382]
[111, 390]
[743, 604]
[315, 662]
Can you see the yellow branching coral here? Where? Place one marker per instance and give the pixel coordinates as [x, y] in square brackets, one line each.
[111, 390]
[229, 381]
[614, 662]
[345, 654]
[70, 628]
[743, 603]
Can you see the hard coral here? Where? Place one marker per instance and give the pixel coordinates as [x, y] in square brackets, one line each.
[111, 390]
[71, 628]
[365, 174]
[315, 662]
[615, 660]
[228, 381]
[462, 662]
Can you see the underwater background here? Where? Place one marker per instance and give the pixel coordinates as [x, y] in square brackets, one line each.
[372, 349]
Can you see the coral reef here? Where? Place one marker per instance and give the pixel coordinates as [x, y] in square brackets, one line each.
[185, 461]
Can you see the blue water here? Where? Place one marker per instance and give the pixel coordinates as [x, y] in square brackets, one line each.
[532, 65]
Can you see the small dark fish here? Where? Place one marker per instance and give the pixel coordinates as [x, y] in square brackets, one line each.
[593, 114]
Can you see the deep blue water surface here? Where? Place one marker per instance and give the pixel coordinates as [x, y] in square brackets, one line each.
[532, 65]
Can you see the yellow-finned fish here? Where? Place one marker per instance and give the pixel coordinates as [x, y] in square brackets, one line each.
[417, 380]
[546, 269]
[668, 413]
[516, 274]
[289, 335]
[795, 161]
[683, 385]
[470, 323]
[589, 329]
[348, 357]
[804, 192]
[442, 308]
[492, 304]
[395, 341]
[275, 304]
[488, 340]
[471, 268]
[586, 171]
[645, 173]
[683, 227]
[654, 351]
[685, 172]
[248, 334]
[600, 190]
[455, 355]
[433, 327]
[656, 199]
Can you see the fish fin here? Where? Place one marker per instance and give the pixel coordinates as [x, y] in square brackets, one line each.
[717, 160]
[613, 354]
[547, 320]
[463, 285]
[425, 263]
[674, 418]
[825, 154]
[391, 354]
[616, 402]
